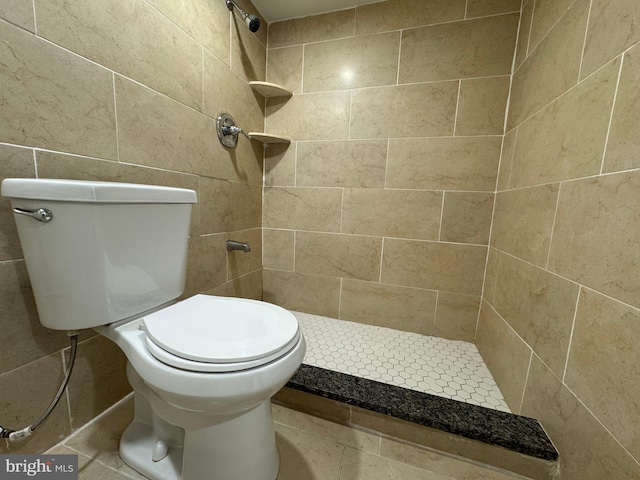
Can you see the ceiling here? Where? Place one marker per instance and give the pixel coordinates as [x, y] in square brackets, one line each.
[276, 10]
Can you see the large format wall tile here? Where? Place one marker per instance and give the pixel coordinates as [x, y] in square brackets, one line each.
[545, 14]
[456, 316]
[100, 374]
[505, 354]
[204, 20]
[587, 449]
[225, 91]
[53, 99]
[328, 26]
[118, 35]
[566, 139]
[403, 308]
[449, 53]
[280, 165]
[482, 106]
[248, 54]
[612, 29]
[481, 8]
[603, 368]
[14, 162]
[454, 163]
[624, 141]
[357, 62]
[524, 33]
[28, 391]
[316, 116]
[420, 110]
[229, 206]
[523, 221]
[466, 217]
[506, 160]
[26, 339]
[278, 248]
[18, 12]
[303, 293]
[240, 262]
[552, 68]
[284, 67]
[399, 14]
[539, 306]
[596, 239]
[331, 255]
[356, 163]
[392, 213]
[247, 286]
[303, 208]
[157, 131]
[432, 265]
[207, 263]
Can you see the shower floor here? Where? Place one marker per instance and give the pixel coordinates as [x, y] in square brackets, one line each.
[447, 368]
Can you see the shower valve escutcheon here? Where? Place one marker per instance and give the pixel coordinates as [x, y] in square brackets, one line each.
[228, 131]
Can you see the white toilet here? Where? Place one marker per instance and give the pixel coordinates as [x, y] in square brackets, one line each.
[112, 256]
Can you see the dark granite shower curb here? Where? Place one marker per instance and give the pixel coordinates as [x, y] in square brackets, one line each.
[514, 432]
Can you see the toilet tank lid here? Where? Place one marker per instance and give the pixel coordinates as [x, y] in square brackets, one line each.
[97, 192]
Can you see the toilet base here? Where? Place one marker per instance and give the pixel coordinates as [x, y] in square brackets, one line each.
[136, 449]
[238, 448]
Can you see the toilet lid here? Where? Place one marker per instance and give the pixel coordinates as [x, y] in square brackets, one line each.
[221, 330]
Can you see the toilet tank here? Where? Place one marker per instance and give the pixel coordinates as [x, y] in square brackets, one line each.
[110, 251]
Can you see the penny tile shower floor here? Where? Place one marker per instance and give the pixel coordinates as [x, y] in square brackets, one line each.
[449, 368]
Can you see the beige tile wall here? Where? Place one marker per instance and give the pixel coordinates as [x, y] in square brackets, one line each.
[380, 209]
[560, 318]
[122, 92]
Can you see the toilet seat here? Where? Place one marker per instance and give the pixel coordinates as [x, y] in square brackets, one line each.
[219, 334]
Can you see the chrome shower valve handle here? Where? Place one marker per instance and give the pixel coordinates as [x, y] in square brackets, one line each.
[228, 131]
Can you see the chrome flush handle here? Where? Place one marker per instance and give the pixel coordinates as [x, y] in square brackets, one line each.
[41, 214]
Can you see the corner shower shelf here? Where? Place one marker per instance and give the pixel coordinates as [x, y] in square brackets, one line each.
[268, 138]
[269, 90]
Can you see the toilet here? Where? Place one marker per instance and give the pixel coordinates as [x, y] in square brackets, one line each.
[112, 257]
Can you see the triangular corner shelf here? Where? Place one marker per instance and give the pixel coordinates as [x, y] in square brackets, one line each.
[268, 138]
[269, 90]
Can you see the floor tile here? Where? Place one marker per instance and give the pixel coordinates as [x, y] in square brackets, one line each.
[449, 368]
[358, 465]
[306, 456]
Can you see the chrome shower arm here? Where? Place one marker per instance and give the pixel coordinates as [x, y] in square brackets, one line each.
[250, 21]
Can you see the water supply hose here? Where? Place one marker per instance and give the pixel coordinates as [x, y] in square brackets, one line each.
[14, 435]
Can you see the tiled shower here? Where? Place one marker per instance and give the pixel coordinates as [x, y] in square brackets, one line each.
[423, 151]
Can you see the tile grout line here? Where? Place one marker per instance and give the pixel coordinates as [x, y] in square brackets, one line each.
[613, 107]
[455, 117]
[526, 381]
[573, 326]
[553, 226]
[584, 42]
[115, 115]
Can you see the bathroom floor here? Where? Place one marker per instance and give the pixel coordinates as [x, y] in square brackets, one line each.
[310, 449]
[448, 368]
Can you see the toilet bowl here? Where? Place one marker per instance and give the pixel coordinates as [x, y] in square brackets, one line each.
[244, 352]
[203, 369]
